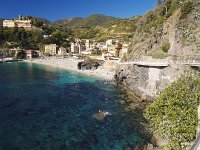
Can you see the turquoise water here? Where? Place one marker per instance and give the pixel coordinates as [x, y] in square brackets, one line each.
[46, 108]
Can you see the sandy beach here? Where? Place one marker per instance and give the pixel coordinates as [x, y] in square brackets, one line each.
[71, 64]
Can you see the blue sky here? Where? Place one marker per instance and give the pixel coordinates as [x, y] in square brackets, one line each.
[58, 9]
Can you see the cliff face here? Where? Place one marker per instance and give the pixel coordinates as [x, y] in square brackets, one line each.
[162, 36]
[145, 81]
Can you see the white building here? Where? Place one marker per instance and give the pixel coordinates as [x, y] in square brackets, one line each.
[109, 42]
[62, 51]
[77, 47]
[87, 44]
[112, 49]
[74, 48]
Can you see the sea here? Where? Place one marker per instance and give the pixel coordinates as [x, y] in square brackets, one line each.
[48, 108]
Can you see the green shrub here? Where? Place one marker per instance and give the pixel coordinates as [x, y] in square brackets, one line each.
[172, 6]
[174, 112]
[186, 9]
[166, 47]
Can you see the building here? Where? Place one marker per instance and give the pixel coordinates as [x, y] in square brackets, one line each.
[77, 47]
[124, 49]
[74, 48]
[112, 49]
[9, 23]
[109, 42]
[50, 49]
[23, 23]
[17, 23]
[87, 44]
[62, 51]
[29, 53]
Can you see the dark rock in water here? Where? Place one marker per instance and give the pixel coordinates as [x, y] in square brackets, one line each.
[79, 65]
[101, 115]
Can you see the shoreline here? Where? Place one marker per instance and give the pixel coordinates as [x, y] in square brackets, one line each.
[71, 65]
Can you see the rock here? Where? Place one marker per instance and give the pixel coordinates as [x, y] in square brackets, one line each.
[88, 64]
[156, 140]
[101, 115]
[150, 147]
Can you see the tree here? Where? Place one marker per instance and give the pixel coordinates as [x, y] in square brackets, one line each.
[65, 44]
[21, 55]
[162, 3]
[118, 48]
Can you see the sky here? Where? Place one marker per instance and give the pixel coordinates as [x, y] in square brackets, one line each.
[59, 9]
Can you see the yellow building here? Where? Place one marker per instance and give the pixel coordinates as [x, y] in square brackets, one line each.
[23, 23]
[50, 49]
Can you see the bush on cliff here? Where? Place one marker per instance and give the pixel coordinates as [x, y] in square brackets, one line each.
[173, 114]
[186, 9]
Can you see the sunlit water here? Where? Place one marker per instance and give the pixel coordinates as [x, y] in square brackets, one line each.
[46, 108]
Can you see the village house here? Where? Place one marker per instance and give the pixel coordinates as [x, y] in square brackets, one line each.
[109, 42]
[112, 49]
[50, 49]
[62, 51]
[124, 49]
[31, 53]
[74, 48]
[78, 47]
[87, 44]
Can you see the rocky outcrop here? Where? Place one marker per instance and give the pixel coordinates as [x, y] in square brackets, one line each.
[147, 81]
[89, 64]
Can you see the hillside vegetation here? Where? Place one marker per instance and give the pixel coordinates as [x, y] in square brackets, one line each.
[98, 27]
[173, 115]
[175, 23]
[117, 29]
[1, 21]
[91, 21]
[33, 38]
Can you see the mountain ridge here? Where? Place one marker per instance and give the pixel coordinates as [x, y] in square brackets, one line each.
[90, 21]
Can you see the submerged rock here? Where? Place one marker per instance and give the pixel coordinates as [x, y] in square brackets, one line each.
[101, 115]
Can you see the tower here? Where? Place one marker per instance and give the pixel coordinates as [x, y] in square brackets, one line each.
[19, 17]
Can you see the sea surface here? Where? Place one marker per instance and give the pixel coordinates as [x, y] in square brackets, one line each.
[48, 108]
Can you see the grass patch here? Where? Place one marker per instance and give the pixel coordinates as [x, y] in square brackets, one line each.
[158, 54]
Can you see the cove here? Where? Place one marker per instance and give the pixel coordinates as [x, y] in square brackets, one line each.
[48, 108]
